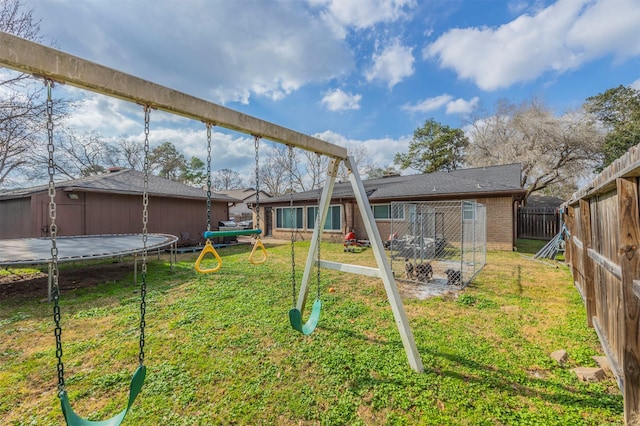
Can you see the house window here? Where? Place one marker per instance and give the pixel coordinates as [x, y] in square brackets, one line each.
[288, 218]
[468, 211]
[333, 221]
[385, 211]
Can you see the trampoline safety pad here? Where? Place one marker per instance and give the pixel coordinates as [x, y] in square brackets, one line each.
[25, 251]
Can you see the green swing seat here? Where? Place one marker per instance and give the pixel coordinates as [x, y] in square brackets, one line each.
[295, 318]
[134, 389]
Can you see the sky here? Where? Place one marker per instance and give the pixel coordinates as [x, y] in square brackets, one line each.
[351, 72]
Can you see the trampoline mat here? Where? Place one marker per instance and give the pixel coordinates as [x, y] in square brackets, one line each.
[23, 251]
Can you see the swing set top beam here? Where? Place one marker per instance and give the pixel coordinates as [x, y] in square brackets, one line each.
[32, 58]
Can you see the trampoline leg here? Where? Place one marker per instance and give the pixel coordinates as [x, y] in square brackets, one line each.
[135, 269]
[173, 256]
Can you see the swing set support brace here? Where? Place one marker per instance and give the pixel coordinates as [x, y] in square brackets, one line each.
[352, 269]
[384, 268]
[323, 209]
[386, 273]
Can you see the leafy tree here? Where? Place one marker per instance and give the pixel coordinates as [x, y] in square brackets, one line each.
[434, 147]
[618, 111]
[195, 173]
[167, 162]
[552, 150]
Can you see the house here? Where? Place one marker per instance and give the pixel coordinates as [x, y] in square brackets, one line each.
[111, 203]
[498, 188]
[243, 210]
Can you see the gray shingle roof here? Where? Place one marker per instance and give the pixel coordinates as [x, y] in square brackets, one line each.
[465, 182]
[247, 195]
[125, 181]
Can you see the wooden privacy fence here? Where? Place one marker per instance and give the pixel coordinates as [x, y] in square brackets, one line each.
[603, 253]
[538, 223]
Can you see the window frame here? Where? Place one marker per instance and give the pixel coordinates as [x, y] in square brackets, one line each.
[468, 212]
[299, 218]
[390, 212]
[312, 212]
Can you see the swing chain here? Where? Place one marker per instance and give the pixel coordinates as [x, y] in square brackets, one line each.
[53, 230]
[145, 221]
[256, 142]
[319, 225]
[291, 217]
[208, 176]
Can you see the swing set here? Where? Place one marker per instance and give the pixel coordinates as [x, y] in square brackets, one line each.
[56, 66]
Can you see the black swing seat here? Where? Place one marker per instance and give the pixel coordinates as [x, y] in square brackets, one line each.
[134, 389]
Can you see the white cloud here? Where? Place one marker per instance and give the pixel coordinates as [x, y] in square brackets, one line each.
[636, 84]
[558, 38]
[337, 100]
[429, 104]
[110, 117]
[517, 6]
[379, 151]
[457, 106]
[460, 106]
[608, 27]
[392, 64]
[362, 14]
[214, 50]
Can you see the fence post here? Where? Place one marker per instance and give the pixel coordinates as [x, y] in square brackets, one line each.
[587, 262]
[571, 213]
[629, 261]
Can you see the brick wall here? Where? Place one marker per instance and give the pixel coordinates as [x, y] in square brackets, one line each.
[500, 223]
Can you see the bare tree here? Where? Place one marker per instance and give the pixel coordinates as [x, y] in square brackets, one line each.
[552, 150]
[293, 169]
[84, 154]
[21, 104]
[306, 171]
[128, 153]
[226, 179]
[316, 169]
[20, 126]
[359, 154]
[17, 21]
[78, 154]
[274, 178]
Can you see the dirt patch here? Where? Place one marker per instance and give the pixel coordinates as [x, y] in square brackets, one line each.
[34, 285]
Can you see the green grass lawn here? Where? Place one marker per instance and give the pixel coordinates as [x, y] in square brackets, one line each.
[219, 349]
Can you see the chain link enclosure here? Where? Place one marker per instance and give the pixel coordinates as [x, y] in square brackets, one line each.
[440, 243]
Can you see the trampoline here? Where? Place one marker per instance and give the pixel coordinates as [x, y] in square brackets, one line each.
[29, 251]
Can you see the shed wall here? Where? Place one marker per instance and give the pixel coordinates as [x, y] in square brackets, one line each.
[15, 218]
[103, 213]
